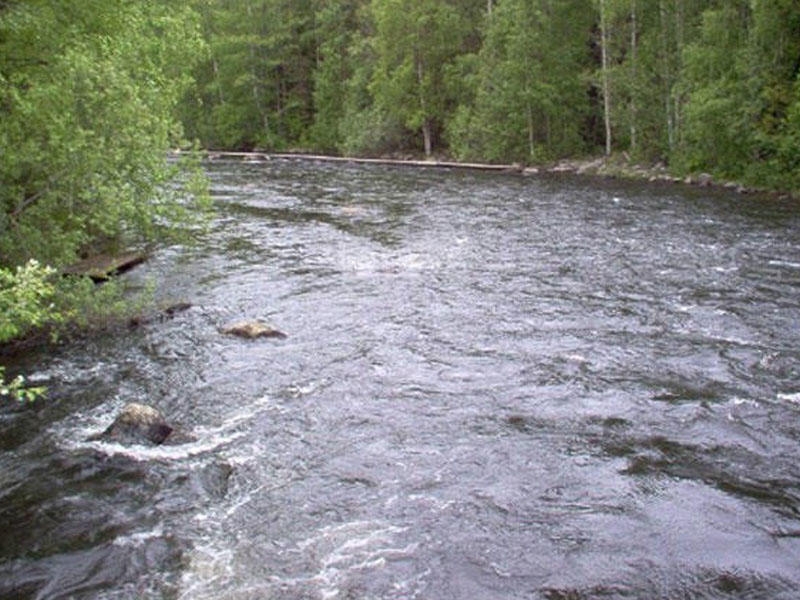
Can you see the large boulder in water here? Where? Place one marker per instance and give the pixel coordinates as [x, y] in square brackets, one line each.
[140, 424]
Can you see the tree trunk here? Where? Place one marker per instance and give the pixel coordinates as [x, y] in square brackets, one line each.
[426, 120]
[215, 67]
[256, 87]
[426, 136]
[634, 75]
[667, 75]
[676, 99]
[606, 86]
[531, 139]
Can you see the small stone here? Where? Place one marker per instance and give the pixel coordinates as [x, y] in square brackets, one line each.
[705, 180]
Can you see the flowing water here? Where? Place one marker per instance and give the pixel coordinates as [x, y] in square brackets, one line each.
[493, 386]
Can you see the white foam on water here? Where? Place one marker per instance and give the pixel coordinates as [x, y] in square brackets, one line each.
[352, 547]
[64, 372]
[213, 564]
[211, 570]
[784, 263]
[740, 408]
[140, 537]
[332, 555]
[793, 397]
[207, 439]
[163, 453]
[578, 358]
[744, 401]
[297, 390]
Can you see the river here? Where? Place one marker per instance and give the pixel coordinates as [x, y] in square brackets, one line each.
[493, 386]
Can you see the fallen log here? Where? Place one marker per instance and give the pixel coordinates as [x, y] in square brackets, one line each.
[103, 266]
[262, 156]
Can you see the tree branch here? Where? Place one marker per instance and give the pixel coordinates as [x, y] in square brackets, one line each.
[31, 200]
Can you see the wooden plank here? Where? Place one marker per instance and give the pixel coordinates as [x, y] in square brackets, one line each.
[103, 266]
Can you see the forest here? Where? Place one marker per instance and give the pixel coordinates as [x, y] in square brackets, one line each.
[95, 93]
[698, 85]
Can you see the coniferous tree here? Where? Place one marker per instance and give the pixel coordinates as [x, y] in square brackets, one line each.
[337, 27]
[414, 41]
[531, 100]
[256, 88]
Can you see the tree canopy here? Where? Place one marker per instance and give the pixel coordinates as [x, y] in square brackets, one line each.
[88, 91]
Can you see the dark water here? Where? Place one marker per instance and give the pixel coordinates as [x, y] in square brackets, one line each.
[493, 387]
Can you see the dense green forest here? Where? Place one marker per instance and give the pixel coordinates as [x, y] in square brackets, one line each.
[699, 85]
[95, 92]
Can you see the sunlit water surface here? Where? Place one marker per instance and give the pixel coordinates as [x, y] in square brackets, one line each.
[493, 386]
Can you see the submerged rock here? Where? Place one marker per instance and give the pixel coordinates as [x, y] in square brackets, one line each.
[163, 315]
[252, 330]
[138, 424]
[214, 479]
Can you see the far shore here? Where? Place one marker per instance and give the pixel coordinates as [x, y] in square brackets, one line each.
[612, 167]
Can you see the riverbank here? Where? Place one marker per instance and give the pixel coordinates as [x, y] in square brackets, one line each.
[615, 167]
[622, 168]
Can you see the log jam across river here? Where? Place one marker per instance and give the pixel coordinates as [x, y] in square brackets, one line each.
[493, 386]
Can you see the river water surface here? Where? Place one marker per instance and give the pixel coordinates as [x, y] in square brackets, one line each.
[493, 386]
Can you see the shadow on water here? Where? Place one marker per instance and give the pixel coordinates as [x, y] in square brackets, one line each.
[702, 585]
[349, 222]
[731, 470]
[493, 386]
